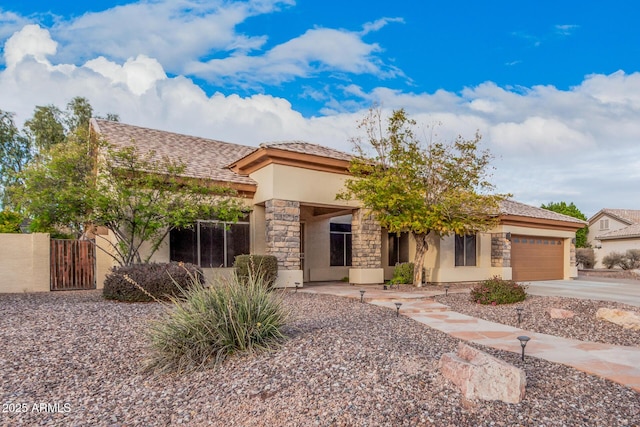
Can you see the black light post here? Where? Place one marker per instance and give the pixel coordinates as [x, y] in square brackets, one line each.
[398, 304]
[446, 290]
[362, 296]
[519, 311]
[523, 343]
[297, 286]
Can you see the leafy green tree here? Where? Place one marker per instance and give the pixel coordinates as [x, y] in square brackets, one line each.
[572, 211]
[430, 189]
[45, 128]
[141, 198]
[15, 153]
[10, 222]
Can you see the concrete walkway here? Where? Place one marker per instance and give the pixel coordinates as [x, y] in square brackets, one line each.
[625, 291]
[616, 363]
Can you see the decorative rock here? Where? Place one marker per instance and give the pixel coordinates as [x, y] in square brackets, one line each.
[560, 313]
[481, 376]
[626, 319]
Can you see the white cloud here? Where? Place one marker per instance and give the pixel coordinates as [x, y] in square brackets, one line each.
[577, 145]
[315, 51]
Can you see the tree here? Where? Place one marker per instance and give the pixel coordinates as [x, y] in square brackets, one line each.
[572, 211]
[45, 128]
[141, 198]
[15, 153]
[433, 189]
[10, 222]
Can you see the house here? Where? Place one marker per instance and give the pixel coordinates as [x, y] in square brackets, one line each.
[613, 230]
[290, 188]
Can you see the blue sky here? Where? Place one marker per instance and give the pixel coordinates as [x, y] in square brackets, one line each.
[554, 87]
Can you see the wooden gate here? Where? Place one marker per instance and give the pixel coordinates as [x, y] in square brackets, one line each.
[73, 265]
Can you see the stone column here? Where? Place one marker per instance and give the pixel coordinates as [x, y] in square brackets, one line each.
[500, 250]
[283, 239]
[366, 249]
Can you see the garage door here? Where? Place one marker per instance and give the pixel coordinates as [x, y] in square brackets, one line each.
[536, 258]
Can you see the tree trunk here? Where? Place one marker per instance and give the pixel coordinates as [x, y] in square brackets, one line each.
[418, 262]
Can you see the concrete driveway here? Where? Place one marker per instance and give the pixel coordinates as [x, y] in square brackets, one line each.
[625, 291]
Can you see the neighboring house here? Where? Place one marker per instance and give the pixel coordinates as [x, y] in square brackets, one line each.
[613, 230]
[290, 190]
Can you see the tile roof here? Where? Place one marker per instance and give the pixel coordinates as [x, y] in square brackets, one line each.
[308, 148]
[511, 207]
[203, 158]
[627, 215]
[622, 233]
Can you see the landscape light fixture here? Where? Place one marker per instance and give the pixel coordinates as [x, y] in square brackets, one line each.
[519, 311]
[523, 343]
[398, 304]
[362, 295]
[446, 290]
[297, 286]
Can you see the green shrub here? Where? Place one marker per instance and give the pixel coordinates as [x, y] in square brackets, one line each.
[403, 274]
[585, 257]
[264, 266]
[149, 282]
[210, 324]
[612, 259]
[498, 291]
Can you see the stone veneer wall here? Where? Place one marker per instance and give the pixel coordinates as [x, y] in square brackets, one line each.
[500, 250]
[366, 246]
[283, 232]
[572, 253]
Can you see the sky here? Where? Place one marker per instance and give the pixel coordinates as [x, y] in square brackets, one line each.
[552, 87]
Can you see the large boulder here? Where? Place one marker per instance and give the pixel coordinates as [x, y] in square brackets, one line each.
[482, 376]
[626, 319]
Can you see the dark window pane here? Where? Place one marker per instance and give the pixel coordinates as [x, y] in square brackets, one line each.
[342, 228]
[459, 250]
[470, 250]
[404, 248]
[393, 249]
[211, 245]
[348, 249]
[183, 246]
[237, 242]
[337, 249]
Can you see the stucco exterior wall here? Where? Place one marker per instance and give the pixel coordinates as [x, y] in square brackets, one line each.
[303, 185]
[24, 263]
[609, 246]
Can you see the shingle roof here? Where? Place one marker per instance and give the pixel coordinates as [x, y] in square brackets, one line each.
[510, 207]
[308, 148]
[626, 232]
[203, 158]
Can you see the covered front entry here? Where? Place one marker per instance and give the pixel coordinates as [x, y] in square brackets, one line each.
[537, 258]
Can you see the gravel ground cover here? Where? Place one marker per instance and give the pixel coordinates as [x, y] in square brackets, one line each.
[344, 364]
[583, 326]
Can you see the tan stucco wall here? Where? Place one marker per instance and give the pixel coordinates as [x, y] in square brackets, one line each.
[317, 251]
[594, 227]
[24, 263]
[303, 185]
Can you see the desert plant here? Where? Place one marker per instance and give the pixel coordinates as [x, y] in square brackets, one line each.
[612, 259]
[150, 282]
[210, 324]
[498, 291]
[630, 260]
[585, 257]
[263, 266]
[403, 274]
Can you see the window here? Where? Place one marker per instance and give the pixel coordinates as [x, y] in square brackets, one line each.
[210, 244]
[398, 248]
[465, 250]
[340, 245]
[604, 224]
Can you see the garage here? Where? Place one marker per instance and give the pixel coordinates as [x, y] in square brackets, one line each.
[537, 258]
